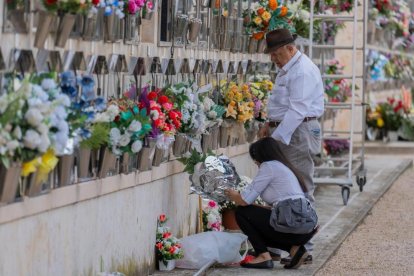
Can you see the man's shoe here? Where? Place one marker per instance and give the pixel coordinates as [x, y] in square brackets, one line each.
[287, 260]
[298, 259]
[263, 265]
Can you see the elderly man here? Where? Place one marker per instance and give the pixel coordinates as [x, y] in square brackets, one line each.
[294, 106]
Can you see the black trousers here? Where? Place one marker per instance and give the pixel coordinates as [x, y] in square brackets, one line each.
[254, 222]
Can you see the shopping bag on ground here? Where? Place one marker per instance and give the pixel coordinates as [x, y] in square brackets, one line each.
[206, 247]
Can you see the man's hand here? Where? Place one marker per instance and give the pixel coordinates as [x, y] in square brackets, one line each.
[263, 131]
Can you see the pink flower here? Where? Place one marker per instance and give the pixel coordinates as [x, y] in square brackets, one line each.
[150, 5]
[167, 106]
[140, 3]
[132, 7]
[212, 204]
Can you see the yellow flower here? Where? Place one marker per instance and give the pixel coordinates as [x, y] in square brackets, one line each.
[238, 97]
[30, 166]
[231, 112]
[225, 13]
[380, 122]
[257, 20]
[266, 16]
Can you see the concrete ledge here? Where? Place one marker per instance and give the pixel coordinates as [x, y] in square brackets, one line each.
[378, 147]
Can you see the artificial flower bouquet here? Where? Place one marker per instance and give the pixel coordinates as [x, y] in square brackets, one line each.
[337, 90]
[238, 101]
[168, 247]
[393, 113]
[260, 91]
[265, 15]
[34, 129]
[69, 6]
[336, 146]
[165, 119]
[211, 216]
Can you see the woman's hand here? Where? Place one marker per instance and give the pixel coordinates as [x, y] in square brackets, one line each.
[263, 131]
[235, 196]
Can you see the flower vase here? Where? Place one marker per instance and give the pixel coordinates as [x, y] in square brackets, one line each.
[252, 46]
[250, 135]
[180, 144]
[78, 26]
[43, 28]
[228, 219]
[215, 135]
[9, 181]
[206, 141]
[161, 155]
[19, 20]
[261, 45]
[146, 154]
[34, 186]
[65, 170]
[225, 129]
[113, 27]
[66, 23]
[372, 133]
[194, 28]
[392, 135]
[128, 163]
[167, 266]
[93, 26]
[107, 162]
[83, 158]
[131, 28]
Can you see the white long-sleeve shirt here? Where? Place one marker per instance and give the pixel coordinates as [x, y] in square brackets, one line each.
[298, 93]
[274, 182]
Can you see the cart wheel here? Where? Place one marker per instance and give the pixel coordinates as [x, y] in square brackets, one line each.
[361, 180]
[345, 195]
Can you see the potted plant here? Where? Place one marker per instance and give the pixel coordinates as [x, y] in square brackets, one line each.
[168, 247]
[393, 113]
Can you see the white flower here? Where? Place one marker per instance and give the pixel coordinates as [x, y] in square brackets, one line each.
[44, 143]
[43, 129]
[125, 139]
[212, 114]
[135, 126]
[114, 136]
[136, 146]
[31, 139]
[33, 117]
[34, 102]
[63, 99]
[40, 93]
[17, 132]
[211, 218]
[112, 111]
[48, 84]
[154, 114]
[116, 151]
[101, 118]
[12, 145]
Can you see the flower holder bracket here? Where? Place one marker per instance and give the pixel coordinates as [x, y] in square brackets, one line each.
[22, 61]
[48, 61]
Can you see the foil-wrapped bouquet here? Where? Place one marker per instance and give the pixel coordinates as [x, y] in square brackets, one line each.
[213, 176]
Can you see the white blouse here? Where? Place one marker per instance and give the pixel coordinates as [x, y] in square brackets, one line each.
[274, 182]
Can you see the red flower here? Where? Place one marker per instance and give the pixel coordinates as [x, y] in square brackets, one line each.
[96, 2]
[162, 218]
[159, 245]
[163, 99]
[50, 2]
[158, 123]
[247, 259]
[172, 249]
[212, 204]
[166, 235]
[152, 95]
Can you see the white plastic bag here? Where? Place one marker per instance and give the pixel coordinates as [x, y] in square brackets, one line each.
[203, 248]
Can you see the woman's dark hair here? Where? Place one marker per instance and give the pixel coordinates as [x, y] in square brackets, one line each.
[267, 149]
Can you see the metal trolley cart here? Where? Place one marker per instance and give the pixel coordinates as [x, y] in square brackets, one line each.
[341, 170]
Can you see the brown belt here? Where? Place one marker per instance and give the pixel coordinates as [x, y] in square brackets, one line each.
[306, 119]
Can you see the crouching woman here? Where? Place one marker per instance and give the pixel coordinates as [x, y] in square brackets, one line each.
[290, 222]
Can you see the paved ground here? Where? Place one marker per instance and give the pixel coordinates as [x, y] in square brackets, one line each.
[337, 221]
[383, 244]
